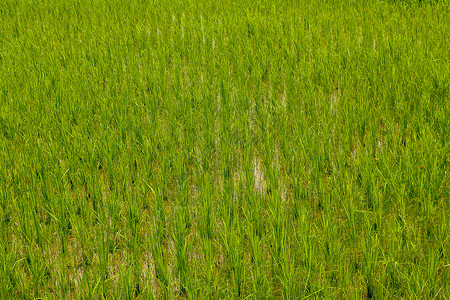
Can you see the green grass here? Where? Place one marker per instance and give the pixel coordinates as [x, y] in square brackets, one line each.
[224, 149]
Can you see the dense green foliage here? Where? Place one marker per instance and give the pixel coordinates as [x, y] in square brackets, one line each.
[224, 149]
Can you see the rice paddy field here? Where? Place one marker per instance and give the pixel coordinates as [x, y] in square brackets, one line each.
[239, 149]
